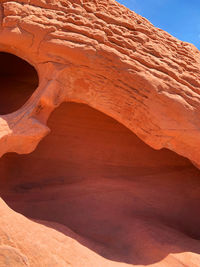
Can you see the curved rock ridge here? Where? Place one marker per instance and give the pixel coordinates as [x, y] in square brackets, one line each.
[92, 193]
[102, 54]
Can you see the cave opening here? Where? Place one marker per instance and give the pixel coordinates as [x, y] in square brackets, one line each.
[18, 81]
[94, 176]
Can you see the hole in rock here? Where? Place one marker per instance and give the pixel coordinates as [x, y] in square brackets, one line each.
[94, 176]
[18, 81]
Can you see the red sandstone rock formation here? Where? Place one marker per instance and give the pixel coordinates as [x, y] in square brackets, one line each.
[92, 193]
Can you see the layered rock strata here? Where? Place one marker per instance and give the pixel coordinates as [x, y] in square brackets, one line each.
[111, 183]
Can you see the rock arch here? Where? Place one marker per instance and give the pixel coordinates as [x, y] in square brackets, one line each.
[101, 54]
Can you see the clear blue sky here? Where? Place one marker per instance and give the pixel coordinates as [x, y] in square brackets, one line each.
[181, 18]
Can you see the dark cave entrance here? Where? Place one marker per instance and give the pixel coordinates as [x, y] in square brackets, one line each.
[18, 80]
[94, 176]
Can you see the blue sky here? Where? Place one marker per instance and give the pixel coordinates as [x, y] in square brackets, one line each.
[181, 18]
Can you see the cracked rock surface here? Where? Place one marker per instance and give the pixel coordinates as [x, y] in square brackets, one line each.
[107, 179]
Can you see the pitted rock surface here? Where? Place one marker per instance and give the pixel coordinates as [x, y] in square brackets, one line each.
[136, 82]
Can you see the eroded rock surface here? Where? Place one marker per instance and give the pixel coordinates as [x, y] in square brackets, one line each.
[92, 193]
[102, 54]
[105, 195]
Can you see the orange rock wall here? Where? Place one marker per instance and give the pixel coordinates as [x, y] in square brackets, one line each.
[102, 54]
[93, 193]
[96, 190]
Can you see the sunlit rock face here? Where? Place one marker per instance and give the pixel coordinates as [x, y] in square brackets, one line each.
[89, 90]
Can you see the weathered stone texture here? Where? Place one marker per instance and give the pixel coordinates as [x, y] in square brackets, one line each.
[99, 53]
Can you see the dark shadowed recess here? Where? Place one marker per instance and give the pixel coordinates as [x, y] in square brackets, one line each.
[18, 81]
[127, 201]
